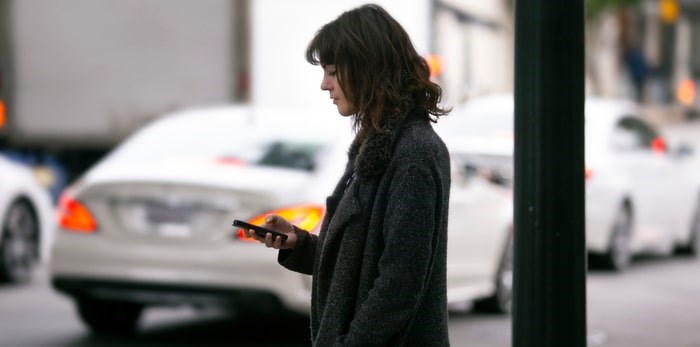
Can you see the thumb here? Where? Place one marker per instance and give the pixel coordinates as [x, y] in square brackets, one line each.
[272, 219]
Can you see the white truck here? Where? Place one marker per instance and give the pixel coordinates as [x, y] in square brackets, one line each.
[78, 76]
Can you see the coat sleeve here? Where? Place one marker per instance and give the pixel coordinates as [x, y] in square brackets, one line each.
[411, 230]
[301, 258]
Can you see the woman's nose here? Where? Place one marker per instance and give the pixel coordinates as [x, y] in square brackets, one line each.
[325, 85]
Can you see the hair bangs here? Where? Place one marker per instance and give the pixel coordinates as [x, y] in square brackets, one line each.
[322, 49]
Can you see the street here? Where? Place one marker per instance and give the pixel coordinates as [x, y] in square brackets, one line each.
[654, 303]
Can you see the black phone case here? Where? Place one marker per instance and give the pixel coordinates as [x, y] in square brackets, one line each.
[261, 231]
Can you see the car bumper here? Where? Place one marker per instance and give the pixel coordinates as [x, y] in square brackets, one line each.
[603, 203]
[165, 273]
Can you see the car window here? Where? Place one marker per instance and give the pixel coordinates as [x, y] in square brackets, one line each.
[293, 155]
[242, 144]
[632, 133]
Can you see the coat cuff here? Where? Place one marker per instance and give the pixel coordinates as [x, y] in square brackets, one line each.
[299, 258]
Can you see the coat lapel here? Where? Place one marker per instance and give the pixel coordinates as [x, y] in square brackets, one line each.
[346, 206]
[368, 159]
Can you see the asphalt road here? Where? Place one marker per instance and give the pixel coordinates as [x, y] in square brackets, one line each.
[653, 304]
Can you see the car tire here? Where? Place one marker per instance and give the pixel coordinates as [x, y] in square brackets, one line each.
[619, 254]
[502, 298]
[19, 243]
[692, 246]
[106, 317]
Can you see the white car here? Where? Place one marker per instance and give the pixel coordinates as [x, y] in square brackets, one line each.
[641, 196]
[26, 220]
[151, 223]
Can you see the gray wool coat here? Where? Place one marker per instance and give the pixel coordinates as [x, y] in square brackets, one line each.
[379, 261]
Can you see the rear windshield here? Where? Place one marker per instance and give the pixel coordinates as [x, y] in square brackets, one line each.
[233, 143]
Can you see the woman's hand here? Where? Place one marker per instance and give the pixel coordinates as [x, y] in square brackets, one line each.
[276, 223]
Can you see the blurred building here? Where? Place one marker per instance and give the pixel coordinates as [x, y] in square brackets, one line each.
[475, 40]
[649, 51]
[468, 42]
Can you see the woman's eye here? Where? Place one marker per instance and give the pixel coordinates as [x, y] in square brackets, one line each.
[332, 73]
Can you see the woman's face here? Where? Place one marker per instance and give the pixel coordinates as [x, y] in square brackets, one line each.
[330, 83]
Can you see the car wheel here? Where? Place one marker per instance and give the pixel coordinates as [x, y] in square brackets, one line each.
[18, 246]
[692, 246]
[501, 300]
[619, 253]
[106, 317]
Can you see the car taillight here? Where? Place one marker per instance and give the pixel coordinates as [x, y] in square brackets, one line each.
[658, 145]
[307, 217]
[230, 161]
[74, 216]
[3, 114]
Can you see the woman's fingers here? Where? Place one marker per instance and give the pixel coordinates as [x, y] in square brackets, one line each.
[271, 220]
[274, 222]
[277, 243]
[252, 234]
[272, 241]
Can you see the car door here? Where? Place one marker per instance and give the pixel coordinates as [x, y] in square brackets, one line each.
[640, 154]
[478, 226]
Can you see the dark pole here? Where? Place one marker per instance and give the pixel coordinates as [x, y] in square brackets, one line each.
[550, 257]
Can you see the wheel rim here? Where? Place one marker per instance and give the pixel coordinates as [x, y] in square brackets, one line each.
[620, 241]
[18, 242]
[505, 279]
[695, 241]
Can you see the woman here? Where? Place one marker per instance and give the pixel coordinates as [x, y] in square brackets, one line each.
[378, 263]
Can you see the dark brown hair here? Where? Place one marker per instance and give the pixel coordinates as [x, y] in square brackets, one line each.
[377, 65]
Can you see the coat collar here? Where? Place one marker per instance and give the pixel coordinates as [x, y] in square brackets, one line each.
[371, 156]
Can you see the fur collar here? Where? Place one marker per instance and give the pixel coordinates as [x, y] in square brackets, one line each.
[371, 157]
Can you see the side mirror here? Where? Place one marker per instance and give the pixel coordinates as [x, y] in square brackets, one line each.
[683, 150]
[497, 177]
[493, 175]
[470, 170]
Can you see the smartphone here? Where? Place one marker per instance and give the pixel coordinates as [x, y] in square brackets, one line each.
[258, 229]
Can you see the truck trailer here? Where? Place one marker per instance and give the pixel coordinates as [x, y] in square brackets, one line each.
[78, 76]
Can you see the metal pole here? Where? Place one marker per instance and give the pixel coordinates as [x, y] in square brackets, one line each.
[550, 257]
